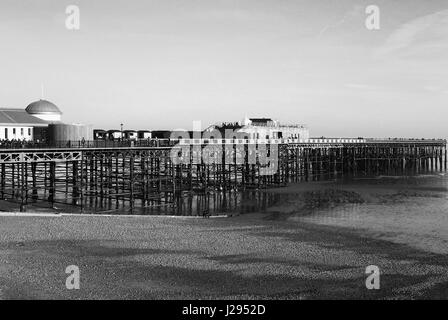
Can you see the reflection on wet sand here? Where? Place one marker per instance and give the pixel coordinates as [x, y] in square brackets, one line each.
[407, 210]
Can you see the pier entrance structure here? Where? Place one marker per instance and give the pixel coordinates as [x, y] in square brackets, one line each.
[91, 178]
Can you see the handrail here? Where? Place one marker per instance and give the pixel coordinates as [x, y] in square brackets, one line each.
[16, 145]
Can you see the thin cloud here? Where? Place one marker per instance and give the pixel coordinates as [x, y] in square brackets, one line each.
[358, 86]
[355, 11]
[430, 31]
[435, 89]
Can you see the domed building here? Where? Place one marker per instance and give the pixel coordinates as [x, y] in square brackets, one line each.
[44, 110]
[30, 123]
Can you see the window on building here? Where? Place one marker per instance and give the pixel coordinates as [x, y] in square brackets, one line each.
[13, 130]
[29, 131]
[21, 131]
[6, 133]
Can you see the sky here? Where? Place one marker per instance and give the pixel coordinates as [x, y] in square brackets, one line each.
[162, 64]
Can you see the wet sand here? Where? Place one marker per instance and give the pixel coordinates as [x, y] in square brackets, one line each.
[314, 244]
[407, 210]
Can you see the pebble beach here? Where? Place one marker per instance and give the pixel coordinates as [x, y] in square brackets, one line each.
[315, 244]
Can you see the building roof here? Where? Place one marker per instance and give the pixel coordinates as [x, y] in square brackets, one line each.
[260, 119]
[19, 117]
[42, 107]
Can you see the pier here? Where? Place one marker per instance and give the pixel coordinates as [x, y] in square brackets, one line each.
[98, 177]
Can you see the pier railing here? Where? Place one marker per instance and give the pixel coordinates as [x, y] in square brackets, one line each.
[149, 143]
[88, 144]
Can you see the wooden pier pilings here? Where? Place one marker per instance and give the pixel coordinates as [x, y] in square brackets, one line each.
[109, 179]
